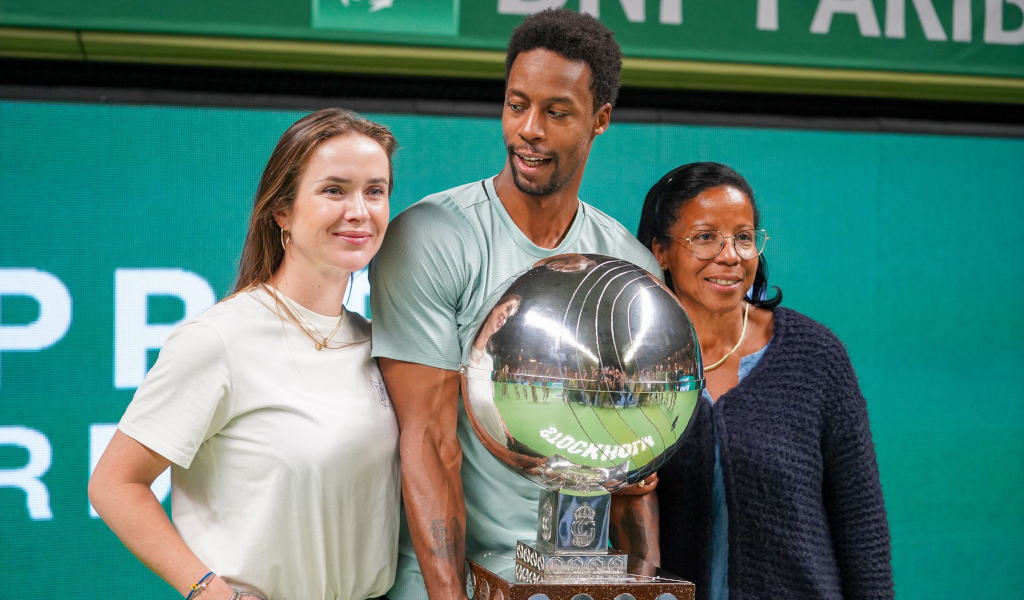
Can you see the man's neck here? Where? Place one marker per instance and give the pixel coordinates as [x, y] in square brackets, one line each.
[544, 220]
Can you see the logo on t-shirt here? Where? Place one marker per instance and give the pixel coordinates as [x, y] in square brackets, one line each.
[382, 392]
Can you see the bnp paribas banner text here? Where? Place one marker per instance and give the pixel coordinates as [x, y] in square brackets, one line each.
[970, 37]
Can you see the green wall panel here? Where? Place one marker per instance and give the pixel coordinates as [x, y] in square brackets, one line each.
[906, 245]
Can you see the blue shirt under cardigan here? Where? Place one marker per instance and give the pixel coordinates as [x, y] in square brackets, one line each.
[806, 516]
[720, 525]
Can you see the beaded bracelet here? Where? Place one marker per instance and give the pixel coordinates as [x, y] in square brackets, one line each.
[237, 594]
[199, 586]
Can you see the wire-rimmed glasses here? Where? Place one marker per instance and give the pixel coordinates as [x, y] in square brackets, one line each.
[706, 244]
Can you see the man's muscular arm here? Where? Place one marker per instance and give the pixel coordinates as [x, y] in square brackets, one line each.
[426, 403]
[634, 526]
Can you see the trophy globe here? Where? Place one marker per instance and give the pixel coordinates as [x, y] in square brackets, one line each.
[582, 376]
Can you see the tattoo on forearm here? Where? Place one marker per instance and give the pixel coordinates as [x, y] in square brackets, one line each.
[633, 527]
[638, 520]
[446, 540]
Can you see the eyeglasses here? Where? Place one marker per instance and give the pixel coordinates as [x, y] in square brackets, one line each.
[707, 244]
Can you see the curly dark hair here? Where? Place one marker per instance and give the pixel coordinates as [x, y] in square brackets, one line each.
[576, 36]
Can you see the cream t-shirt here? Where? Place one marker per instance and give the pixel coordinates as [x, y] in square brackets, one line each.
[285, 475]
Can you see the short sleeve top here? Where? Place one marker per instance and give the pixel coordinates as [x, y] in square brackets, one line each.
[441, 259]
[285, 476]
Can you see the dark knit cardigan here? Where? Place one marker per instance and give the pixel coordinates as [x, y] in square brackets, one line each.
[806, 516]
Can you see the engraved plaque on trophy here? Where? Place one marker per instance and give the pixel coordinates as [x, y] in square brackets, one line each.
[582, 377]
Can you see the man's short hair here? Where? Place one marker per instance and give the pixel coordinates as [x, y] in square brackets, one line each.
[576, 36]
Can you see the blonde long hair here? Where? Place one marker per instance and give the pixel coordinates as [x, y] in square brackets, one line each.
[262, 253]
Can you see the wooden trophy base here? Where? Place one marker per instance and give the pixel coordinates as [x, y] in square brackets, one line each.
[498, 576]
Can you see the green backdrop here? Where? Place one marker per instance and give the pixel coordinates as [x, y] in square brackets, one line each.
[908, 246]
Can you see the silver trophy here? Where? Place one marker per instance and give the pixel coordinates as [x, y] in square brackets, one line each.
[583, 378]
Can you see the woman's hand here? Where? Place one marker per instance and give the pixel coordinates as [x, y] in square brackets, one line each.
[120, 492]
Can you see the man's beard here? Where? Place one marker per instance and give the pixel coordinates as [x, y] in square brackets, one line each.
[555, 182]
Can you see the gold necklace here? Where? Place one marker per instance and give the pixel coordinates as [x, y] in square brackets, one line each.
[320, 343]
[743, 332]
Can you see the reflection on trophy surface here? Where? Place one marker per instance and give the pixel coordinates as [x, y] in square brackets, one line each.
[582, 378]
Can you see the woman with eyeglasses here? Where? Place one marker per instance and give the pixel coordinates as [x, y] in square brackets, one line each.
[775, 492]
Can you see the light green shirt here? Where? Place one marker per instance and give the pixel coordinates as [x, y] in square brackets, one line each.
[441, 259]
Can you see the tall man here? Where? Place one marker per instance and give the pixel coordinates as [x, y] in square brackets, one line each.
[442, 258]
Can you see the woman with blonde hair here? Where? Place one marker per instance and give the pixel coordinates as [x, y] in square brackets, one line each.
[269, 410]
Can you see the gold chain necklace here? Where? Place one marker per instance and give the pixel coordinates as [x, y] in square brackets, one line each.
[323, 340]
[743, 332]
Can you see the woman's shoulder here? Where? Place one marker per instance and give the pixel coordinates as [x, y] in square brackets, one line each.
[197, 340]
[233, 316]
[243, 305]
[805, 350]
[797, 331]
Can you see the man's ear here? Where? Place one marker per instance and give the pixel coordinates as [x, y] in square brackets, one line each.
[602, 118]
